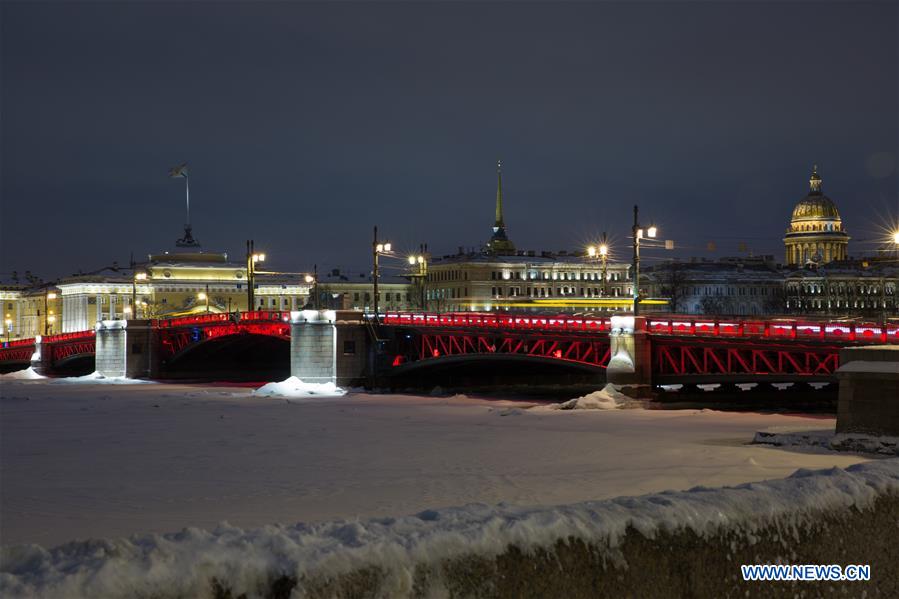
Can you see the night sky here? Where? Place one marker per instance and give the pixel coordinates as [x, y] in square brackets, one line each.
[306, 124]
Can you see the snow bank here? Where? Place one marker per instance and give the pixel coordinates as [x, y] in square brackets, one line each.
[22, 375]
[246, 561]
[293, 387]
[95, 377]
[607, 398]
[826, 440]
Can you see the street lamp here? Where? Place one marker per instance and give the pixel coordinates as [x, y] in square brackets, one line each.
[138, 276]
[50, 295]
[421, 275]
[8, 329]
[896, 237]
[378, 249]
[253, 258]
[312, 281]
[204, 297]
[637, 232]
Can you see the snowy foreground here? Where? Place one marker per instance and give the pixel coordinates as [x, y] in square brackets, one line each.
[99, 460]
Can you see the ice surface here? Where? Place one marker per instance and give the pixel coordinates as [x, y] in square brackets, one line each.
[182, 564]
[294, 388]
[94, 460]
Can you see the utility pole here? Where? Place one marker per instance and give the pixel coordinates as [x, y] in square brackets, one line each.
[249, 275]
[375, 253]
[635, 230]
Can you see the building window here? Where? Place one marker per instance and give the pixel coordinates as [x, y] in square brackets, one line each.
[349, 348]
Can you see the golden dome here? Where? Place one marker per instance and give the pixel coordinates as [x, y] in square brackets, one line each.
[816, 205]
[814, 208]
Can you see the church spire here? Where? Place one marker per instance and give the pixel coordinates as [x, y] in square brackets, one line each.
[499, 243]
[814, 181]
[499, 196]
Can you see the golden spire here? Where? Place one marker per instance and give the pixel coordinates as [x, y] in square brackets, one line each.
[814, 181]
[499, 195]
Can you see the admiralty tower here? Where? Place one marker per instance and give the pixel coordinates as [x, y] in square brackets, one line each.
[816, 232]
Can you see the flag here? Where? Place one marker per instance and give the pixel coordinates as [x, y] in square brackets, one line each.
[178, 171]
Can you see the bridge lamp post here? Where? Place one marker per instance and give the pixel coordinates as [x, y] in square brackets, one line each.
[252, 259]
[312, 280]
[50, 295]
[603, 252]
[8, 329]
[421, 275]
[378, 249]
[138, 276]
[204, 297]
[637, 232]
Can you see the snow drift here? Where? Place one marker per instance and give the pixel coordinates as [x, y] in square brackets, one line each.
[293, 387]
[22, 375]
[607, 398]
[392, 553]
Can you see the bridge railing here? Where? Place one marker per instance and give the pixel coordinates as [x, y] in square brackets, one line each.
[201, 319]
[18, 342]
[694, 326]
[62, 337]
[496, 321]
[776, 328]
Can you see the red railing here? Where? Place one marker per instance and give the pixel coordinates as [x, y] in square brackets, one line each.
[63, 337]
[496, 321]
[775, 328]
[18, 342]
[225, 317]
[661, 325]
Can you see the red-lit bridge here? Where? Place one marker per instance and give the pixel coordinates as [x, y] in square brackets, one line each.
[680, 348]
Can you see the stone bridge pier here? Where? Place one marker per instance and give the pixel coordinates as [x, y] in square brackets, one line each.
[329, 346]
[126, 348]
[630, 361]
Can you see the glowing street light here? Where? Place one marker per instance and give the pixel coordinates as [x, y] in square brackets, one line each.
[896, 237]
[637, 230]
[138, 276]
[8, 329]
[602, 250]
[50, 295]
[378, 248]
[253, 258]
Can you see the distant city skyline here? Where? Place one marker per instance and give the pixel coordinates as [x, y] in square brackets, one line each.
[306, 124]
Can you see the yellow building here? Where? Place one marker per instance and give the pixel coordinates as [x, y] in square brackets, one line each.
[816, 234]
[30, 310]
[174, 284]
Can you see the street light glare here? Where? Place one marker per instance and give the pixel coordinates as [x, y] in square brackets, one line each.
[412, 260]
[309, 278]
[421, 259]
[896, 237]
[651, 231]
[140, 276]
[591, 251]
[387, 247]
[603, 250]
[51, 295]
[201, 296]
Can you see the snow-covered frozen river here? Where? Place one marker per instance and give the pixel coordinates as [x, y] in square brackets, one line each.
[104, 460]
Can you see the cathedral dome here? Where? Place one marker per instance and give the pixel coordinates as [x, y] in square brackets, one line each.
[816, 232]
[816, 205]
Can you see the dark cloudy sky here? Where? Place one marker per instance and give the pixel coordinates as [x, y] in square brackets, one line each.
[306, 124]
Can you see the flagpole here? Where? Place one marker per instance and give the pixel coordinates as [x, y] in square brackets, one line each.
[187, 191]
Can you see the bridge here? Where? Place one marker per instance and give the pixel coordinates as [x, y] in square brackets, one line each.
[349, 348]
